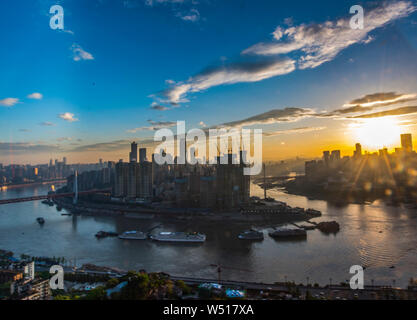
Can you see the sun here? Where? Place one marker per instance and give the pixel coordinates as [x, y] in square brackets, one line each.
[377, 133]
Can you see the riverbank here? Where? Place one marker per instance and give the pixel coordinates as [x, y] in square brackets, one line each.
[32, 184]
[337, 195]
[261, 218]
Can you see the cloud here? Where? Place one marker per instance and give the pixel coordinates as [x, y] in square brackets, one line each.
[192, 16]
[272, 116]
[202, 124]
[392, 112]
[159, 107]
[229, 74]
[318, 43]
[151, 3]
[68, 31]
[35, 95]
[24, 130]
[46, 124]
[370, 102]
[382, 99]
[111, 146]
[292, 131]
[67, 116]
[27, 147]
[9, 102]
[155, 125]
[61, 139]
[80, 54]
[310, 46]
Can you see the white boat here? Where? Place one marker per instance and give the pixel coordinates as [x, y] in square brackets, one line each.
[179, 237]
[133, 235]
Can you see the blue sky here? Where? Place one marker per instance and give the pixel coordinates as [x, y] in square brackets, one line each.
[102, 79]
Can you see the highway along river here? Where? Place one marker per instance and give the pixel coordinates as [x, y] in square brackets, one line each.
[379, 237]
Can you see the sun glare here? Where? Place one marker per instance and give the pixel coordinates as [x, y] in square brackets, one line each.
[377, 133]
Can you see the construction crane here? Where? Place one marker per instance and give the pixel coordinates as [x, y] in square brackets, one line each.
[220, 267]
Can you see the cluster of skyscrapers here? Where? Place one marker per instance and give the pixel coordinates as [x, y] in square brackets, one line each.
[380, 171]
[133, 180]
[181, 185]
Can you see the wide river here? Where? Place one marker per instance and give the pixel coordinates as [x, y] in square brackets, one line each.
[379, 237]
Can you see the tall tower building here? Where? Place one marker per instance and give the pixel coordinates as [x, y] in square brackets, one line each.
[142, 155]
[133, 155]
[407, 142]
[358, 151]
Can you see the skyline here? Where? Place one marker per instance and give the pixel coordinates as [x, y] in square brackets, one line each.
[408, 138]
[122, 69]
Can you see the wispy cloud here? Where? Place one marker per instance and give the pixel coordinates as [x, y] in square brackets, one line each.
[26, 147]
[67, 116]
[316, 44]
[229, 74]
[310, 45]
[371, 102]
[46, 124]
[158, 107]
[80, 54]
[9, 102]
[382, 99]
[392, 112]
[272, 116]
[154, 125]
[35, 95]
[293, 131]
[24, 130]
[193, 15]
[111, 146]
[61, 139]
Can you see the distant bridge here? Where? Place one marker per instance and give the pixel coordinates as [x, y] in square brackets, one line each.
[53, 196]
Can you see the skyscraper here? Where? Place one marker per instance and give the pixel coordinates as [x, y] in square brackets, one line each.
[133, 155]
[142, 155]
[407, 142]
[358, 151]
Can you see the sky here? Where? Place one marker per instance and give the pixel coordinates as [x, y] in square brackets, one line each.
[121, 69]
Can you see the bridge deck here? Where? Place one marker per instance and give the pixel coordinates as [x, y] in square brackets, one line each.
[51, 196]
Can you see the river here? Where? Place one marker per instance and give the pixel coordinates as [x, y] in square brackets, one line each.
[376, 236]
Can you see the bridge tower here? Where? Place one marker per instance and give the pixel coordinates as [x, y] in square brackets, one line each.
[75, 200]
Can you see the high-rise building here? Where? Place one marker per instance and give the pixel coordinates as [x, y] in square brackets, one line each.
[133, 155]
[407, 142]
[335, 155]
[142, 155]
[121, 179]
[358, 151]
[326, 157]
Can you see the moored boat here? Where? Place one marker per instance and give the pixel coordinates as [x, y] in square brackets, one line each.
[251, 235]
[179, 237]
[282, 233]
[133, 235]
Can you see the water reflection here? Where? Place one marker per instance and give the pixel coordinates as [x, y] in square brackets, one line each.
[375, 236]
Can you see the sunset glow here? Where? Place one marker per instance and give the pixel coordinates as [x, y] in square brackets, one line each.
[377, 133]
